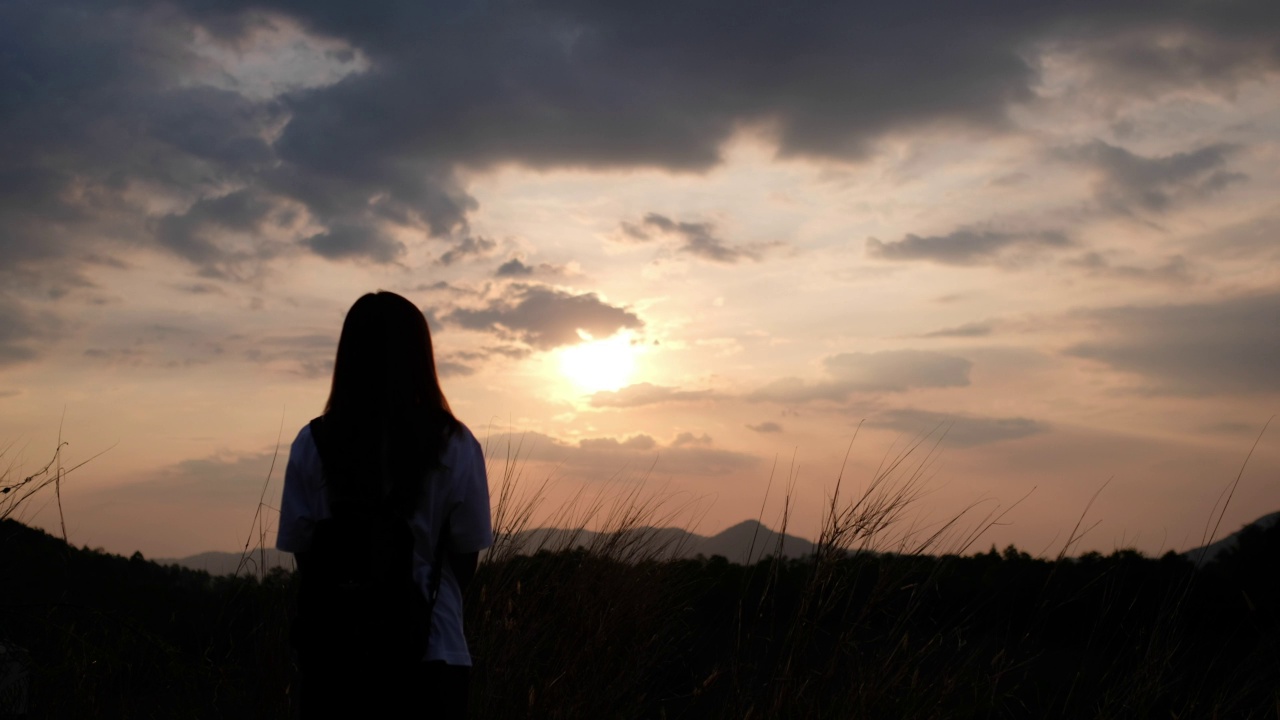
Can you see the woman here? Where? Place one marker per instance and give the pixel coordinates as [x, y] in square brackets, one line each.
[387, 454]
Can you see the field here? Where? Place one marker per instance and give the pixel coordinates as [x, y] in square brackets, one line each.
[617, 629]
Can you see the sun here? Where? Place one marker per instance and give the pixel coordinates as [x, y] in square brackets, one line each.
[597, 365]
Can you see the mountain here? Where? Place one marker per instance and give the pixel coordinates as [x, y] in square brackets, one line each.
[1215, 549]
[751, 536]
[745, 542]
[225, 563]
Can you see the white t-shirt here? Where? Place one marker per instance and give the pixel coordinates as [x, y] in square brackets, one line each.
[459, 488]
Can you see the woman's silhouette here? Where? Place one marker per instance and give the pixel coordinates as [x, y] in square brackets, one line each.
[386, 460]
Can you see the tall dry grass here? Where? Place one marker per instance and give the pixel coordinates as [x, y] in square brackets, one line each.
[612, 625]
[890, 616]
[599, 626]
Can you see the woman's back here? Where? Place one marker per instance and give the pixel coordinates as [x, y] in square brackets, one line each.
[388, 476]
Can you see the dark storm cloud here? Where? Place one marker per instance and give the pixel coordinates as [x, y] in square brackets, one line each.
[960, 430]
[887, 371]
[965, 247]
[355, 241]
[101, 100]
[1129, 182]
[73, 78]
[642, 394]
[544, 317]
[697, 239]
[665, 83]
[1230, 346]
[198, 234]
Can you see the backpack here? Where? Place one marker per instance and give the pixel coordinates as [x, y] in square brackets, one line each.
[358, 602]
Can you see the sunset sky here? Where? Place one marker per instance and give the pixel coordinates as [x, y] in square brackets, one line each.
[673, 242]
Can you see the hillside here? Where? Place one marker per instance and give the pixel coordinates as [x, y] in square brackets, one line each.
[226, 563]
[743, 543]
[1219, 548]
[998, 634]
[746, 542]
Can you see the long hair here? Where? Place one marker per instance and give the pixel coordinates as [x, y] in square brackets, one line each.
[386, 416]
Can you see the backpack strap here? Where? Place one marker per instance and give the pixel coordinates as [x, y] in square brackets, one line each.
[319, 435]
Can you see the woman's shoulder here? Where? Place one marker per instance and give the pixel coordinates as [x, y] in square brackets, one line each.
[303, 442]
[304, 435]
[463, 447]
[462, 438]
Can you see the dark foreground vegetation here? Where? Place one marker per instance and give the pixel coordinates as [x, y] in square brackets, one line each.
[592, 634]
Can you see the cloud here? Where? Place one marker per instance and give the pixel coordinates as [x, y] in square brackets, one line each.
[223, 479]
[366, 242]
[201, 289]
[961, 430]
[965, 247]
[967, 330]
[309, 355]
[697, 239]
[766, 427]
[545, 317]
[158, 507]
[1252, 239]
[453, 368]
[1128, 182]
[126, 103]
[1233, 427]
[898, 370]
[602, 457]
[1227, 346]
[23, 332]
[515, 268]
[1175, 270]
[642, 394]
[176, 345]
[688, 439]
[1212, 48]
[887, 371]
[192, 234]
[635, 442]
[467, 247]
[468, 362]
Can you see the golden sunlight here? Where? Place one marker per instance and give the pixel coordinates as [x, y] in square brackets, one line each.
[596, 365]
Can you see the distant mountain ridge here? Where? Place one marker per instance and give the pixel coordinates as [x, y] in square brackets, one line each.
[226, 563]
[745, 542]
[1213, 550]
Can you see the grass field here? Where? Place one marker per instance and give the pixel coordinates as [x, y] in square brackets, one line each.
[879, 622]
